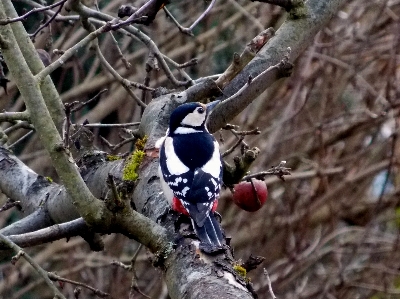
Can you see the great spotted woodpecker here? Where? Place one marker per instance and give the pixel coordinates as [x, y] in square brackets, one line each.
[191, 171]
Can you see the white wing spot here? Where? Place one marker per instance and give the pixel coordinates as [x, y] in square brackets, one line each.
[177, 181]
[186, 189]
[185, 181]
[214, 182]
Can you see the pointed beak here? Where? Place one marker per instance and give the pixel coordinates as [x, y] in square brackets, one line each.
[211, 106]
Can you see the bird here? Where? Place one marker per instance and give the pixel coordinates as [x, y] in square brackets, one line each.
[190, 170]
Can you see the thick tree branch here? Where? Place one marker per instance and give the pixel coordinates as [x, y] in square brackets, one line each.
[232, 106]
[51, 204]
[50, 94]
[49, 234]
[93, 210]
[295, 34]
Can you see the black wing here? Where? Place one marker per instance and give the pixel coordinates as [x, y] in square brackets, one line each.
[196, 188]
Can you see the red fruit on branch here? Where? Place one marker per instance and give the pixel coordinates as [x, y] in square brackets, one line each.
[250, 196]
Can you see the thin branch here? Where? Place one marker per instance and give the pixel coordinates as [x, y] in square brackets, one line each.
[180, 67]
[33, 35]
[271, 292]
[233, 147]
[145, 14]
[14, 116]
[19, 125]
[67, 124]
[240, 138]
[97, 292]
[102, 19]
[188, 30]
[21, 139]
[34, 10]
[10, 204]
[124, 82]
[49, 234]
[118, 145]
[20, 253]
[115, 197]
[78, 105]
[119, 54]
[71, 52]
[124, 125]
[279, 171]
[3, 137]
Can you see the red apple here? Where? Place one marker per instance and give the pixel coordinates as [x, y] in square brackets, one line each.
[250, 196]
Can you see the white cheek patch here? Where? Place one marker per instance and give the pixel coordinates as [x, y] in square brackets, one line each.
[174, 165]
[194, 119]
[213, 166]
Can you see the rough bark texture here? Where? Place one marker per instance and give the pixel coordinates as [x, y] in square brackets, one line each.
[296, 34]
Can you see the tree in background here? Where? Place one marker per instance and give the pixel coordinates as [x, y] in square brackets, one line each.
[83, 104]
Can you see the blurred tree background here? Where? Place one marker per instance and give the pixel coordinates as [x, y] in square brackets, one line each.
[331, 230]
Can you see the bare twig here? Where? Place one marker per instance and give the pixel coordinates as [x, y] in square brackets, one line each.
[20, 253]
[51, 19]
[10, 204]
[97, 292]
[279, 171]
[188, 30]
[271, 292]
[71, 52]
[116, 199]
[118, 145]
[112, 125]
[240, 138]
[21, 139]
[124, 82]
[34, 10]
[50, 234]
[78, 105]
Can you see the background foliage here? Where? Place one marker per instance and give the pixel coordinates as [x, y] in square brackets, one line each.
[330, 230]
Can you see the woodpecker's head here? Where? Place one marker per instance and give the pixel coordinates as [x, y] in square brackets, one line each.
[190, 118]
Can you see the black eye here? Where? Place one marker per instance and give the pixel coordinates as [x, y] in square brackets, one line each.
[201, 110]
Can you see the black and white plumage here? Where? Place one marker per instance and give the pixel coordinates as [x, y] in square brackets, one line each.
[191, 170]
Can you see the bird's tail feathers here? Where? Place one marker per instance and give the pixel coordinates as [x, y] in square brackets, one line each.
[210, 234]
